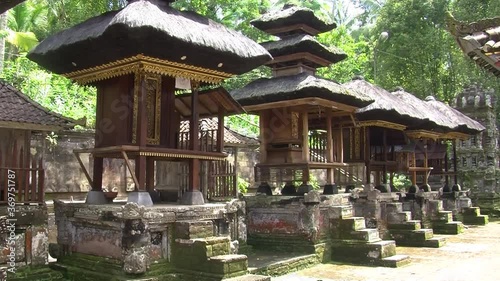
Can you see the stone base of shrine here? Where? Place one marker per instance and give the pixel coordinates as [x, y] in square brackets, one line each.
[132, 242]
[23, 238]
[488, 202]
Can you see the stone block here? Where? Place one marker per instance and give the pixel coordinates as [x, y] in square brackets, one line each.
[367, 235]
[471, 211]
[340, 212]
[193, 229]
[454, 227]
[444, 216]
[407, 225]
[476, 220]
[363, 253]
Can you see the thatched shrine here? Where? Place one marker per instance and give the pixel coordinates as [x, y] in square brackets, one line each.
[290, 101]
[140, 58]
[480, 41]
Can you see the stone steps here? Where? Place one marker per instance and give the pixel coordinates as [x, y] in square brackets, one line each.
[472, 216]
[354, 243]
[285, 265]
[381, 253]
[249, 277]
[408, 232]
[452, 227]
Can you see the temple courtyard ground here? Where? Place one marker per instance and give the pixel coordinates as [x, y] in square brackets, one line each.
[473, 255]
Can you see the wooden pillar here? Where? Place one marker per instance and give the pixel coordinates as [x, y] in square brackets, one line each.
[384, 140]
[447, 176]
[368, 156]
[150, 174]
[330, 177]
[263, 117]
[97, 176]
[194, 164]
[142, 127]
[235, 153]
[305, 145]
[341, 145]
[426, 164]
[305, 136]
[414, 172]
[220, 131]
[168, 136]
[455, 160]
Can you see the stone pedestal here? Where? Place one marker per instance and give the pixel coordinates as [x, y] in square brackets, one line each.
[141, 198]
[192, 198]
[96, 198]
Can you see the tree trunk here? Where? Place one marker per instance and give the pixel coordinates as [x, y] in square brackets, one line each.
[3, 26]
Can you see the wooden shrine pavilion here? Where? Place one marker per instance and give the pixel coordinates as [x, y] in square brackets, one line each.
[405, 135]
[289, 103]
[480, 41]
[19, 118]
[153, 67]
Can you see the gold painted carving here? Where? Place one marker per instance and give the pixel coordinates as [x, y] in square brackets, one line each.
[417, 134]
[181, 155]
[153, 108]
[295, 124]
[135, 112]
[383, 124]
[148, 65]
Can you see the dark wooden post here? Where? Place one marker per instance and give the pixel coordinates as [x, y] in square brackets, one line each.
[384, 140]
[329, 148]
[447, 176]
[367, 156]
[168, 136]
[142, 125]
[194, 196]
[305, 145]
[220, 131]
[455, 161]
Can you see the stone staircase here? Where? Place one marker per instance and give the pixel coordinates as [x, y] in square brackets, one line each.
[354, 243]
[442, 221]
[472, 216]
[408, 232]
[198, 253]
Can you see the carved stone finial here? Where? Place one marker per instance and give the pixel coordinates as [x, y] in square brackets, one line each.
[132, 211]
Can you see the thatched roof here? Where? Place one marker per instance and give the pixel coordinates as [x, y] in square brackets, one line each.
[457, 120]
[303, 43]
[211, 102]
[18, 111]
[303, 85]
[231, 138]
[291, 15]
[6, 5]
[432, 119]
[479, 40]
[153, 29]
[386, 106]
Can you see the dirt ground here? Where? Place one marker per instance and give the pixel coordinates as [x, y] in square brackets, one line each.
[473, 255]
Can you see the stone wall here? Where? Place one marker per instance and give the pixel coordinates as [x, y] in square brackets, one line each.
[23, 236]
[478, 158]
[131, 239]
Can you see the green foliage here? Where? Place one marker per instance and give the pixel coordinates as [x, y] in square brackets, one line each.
[51, 90]
[420, 55]
[357, 61]
[242, 185]
[401, 181]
